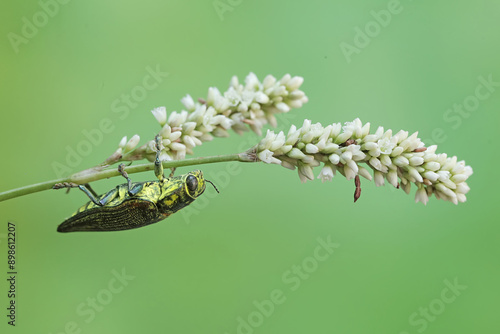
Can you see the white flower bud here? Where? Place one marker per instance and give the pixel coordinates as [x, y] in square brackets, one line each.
[392, 177]
[123, 142]
[385, 159]
[458, 178]
[432, 166]
[269, 81]
[461, 198]
[346, 156]
[188, 102]
[379, 178]
[132, 143]
[334, 159]
[165, 131]
[413, 172]
[219, 132]
[364, 173]
[431, 176]
[312, 149]
[288, 165]
[406, 186]
[160, 114]
[178, 147]
[295, 153]
[306, 170]
[370, 146]
[397, 151]
[371, 138]
[375, 163]
[330, 148]
[416, 161]
[352, 165]
[445, 190]
[349, 173]
[400, 161]
[175, 135]
[342, 138]
[294, 83]
[188, 141]
[365, 130]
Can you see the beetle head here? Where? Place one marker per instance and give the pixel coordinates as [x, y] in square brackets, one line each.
[194, 183]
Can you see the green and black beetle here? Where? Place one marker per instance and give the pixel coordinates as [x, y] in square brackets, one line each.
[133, 205]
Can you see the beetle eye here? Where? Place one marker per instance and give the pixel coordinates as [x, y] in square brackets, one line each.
[192, 183]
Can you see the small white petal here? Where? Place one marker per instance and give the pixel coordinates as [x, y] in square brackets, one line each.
[326, 173]
[421, 196]
[266, 156]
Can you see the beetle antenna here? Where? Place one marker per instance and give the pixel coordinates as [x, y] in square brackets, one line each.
[217, 190]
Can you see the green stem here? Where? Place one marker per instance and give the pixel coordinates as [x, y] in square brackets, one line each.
[94, 174]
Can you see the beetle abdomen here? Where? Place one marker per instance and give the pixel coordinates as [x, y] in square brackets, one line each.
[132, 213]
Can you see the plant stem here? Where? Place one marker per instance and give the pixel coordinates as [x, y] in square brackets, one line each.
[97, 173]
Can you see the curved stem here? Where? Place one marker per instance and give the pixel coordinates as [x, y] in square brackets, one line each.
[96, 173]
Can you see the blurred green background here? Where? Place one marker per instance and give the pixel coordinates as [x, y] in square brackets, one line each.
[211, 268]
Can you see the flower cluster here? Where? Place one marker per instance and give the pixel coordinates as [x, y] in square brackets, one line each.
[242, 106]
[399, 158]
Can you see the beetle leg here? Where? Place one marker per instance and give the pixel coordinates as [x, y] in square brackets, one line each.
[105, 200]
[132, 189]
[79, 186]
[90, 189]
[172, 172]
[90, 195]
[158, 164]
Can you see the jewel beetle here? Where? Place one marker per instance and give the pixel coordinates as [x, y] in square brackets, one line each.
[133, 205]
